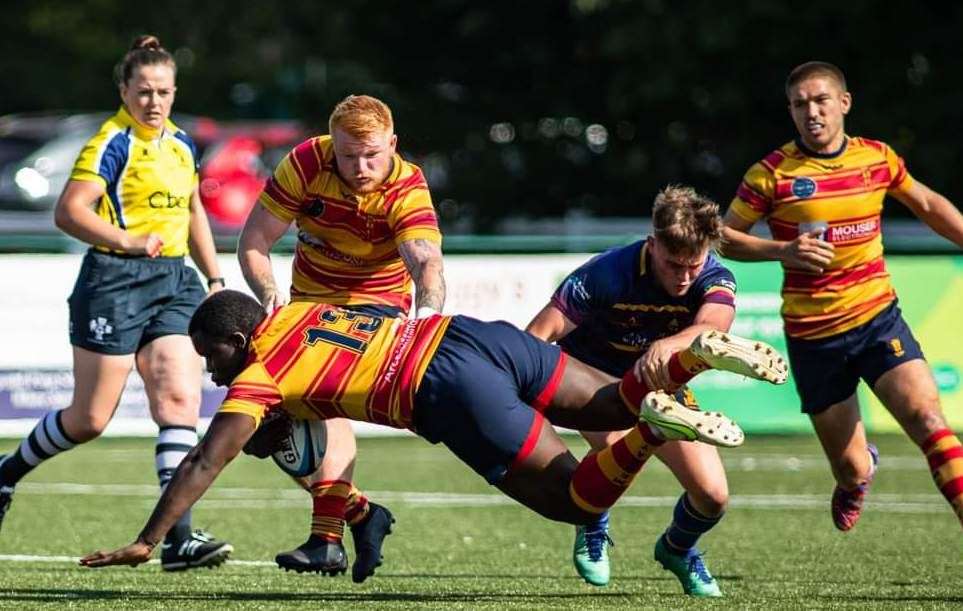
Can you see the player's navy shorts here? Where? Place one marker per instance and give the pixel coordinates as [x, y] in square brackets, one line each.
[483, 393]
[827, 370]
[121, 303]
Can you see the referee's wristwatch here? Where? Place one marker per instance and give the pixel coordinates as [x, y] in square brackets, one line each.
[213, 279]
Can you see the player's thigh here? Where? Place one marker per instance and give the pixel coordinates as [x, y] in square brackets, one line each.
[599, 440]
[339, 454]
[99, 381]
[909, 392]
[581, 385]
[698, 467]
[541, 479]
[172, 372]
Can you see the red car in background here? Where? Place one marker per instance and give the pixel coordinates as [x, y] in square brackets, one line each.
[236, 164]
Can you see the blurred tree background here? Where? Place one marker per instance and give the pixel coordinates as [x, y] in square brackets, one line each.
[532, 109]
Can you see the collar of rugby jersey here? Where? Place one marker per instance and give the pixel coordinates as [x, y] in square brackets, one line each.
[143, 132]
[643, 252]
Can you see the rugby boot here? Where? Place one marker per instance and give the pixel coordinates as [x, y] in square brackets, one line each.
[198, 550]
[847, 505]
[690, 569]
[751, 358]
[676, 421]
[316, 555]
[591, 553]
[369, 535]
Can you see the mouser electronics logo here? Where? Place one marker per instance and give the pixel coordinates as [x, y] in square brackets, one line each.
[853, 231]
[803, 187]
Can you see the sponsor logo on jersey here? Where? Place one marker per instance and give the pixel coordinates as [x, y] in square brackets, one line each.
[850, 232]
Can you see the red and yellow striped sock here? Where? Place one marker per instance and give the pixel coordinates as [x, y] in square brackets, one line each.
[602, 477]
[356, 509]
[633, 391]
[944, 453]
[684, 365]
[327, 518]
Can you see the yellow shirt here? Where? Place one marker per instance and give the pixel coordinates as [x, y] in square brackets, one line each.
[317, 361]
[148, 175]
[347, 251]
[843, 194]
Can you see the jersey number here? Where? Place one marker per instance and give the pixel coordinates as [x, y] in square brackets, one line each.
[347, 330]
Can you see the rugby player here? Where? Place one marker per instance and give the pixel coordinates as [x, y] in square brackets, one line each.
[822, 195]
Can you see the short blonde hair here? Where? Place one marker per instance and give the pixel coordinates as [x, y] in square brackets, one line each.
[684, 221]
[360, 116]
[814, 69]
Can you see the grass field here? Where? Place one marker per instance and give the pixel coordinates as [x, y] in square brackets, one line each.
[459, 544]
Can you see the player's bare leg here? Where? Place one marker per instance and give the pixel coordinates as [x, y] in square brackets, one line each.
[336, 502]
[909, 393]
[99, 380]
[698, 467]
[851, 458]
[172, 380]
[552, 483]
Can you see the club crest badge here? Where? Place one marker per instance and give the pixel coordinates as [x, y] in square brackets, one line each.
[803, 187]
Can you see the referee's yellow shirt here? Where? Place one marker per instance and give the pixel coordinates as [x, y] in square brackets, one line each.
[148, 175]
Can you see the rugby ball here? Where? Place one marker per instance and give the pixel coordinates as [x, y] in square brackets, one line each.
[302, 450]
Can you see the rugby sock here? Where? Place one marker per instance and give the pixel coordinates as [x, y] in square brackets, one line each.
[633, 391]
[684, 365]
[356, 508]
[173, 444]
[688, 524]
[945, 456]
[47, 439]
[602, 477]
[330, 498]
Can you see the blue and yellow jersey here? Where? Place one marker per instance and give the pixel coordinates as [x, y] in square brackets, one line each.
[796, 190]
[149, 176]
[620, 308]
[317, 361]
[347, 251]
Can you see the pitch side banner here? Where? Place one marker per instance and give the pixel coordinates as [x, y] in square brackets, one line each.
[35, 358]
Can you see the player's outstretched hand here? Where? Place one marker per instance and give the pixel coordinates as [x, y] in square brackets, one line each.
[136, 553]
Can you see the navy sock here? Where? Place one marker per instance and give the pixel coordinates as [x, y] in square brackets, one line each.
[688, 524]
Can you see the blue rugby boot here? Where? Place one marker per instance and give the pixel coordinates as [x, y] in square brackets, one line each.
[690, 569]
[590, 553]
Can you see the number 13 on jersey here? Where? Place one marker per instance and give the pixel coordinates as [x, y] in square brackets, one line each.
[348, 330]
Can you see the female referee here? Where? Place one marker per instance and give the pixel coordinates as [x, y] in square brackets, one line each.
[133, 196]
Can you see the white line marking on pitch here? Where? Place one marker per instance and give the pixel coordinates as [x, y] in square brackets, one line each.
[76, 560]
[229, 498]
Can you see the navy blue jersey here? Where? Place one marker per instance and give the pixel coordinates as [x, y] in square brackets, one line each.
[620, 308]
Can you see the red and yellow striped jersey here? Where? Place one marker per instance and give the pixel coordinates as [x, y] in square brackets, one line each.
[317, 361]
[347, 251]
[842, 194]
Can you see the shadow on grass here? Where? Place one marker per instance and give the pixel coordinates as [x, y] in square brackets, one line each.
[66, 595]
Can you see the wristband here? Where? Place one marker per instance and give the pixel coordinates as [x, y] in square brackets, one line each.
[214, 279]
[425, 312]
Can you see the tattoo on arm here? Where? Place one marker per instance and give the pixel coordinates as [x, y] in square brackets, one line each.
[424, 263]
